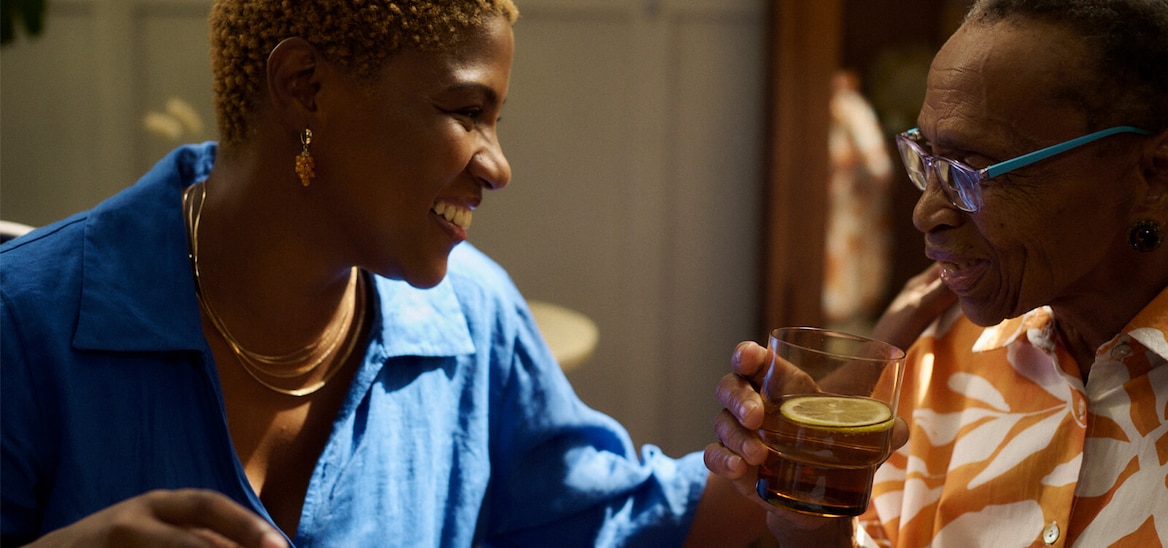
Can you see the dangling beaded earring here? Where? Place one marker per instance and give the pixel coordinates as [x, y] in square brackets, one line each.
[304, 162]
[1145, 236]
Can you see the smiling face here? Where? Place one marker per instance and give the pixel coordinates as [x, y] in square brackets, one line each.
[402, 163]
[1053, 233]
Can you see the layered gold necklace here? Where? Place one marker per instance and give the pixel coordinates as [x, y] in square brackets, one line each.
[301, 363]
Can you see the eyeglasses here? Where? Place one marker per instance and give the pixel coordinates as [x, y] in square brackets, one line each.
[962, 183]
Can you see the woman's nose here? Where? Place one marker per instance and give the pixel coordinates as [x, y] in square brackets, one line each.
[490, 165]
[933, 208]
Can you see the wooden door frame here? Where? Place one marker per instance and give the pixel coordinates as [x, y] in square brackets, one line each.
[805, 50]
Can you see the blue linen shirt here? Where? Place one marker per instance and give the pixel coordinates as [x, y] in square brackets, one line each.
[459, 429]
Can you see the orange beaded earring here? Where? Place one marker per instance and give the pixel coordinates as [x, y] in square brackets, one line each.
[304, 164]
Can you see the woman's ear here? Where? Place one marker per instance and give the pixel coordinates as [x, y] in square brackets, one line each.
[1153, 205]
[294, 75]
[1156, 169]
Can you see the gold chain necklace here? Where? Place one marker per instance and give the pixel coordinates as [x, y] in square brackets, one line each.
[259, 365]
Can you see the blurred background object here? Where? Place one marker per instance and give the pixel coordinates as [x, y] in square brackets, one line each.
[178, 122]
[572, 336]
[10, 230]
[859, 237]
[27, 14]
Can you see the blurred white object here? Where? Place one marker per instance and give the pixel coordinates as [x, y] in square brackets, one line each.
[572, 336]
[859, 231]
[10, 230]
[179, 122]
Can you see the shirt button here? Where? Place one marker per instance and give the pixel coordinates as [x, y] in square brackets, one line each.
[1121, 351]
[1051, 533]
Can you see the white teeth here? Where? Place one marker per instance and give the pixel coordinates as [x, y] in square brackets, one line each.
[453, 214]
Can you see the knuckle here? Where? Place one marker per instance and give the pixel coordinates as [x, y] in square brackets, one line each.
[733, 436]
[121, 527]
[719, 460]
[725, 388]
[722, 425]
[711, 458]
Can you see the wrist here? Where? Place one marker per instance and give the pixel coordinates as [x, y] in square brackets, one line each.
[794, 530]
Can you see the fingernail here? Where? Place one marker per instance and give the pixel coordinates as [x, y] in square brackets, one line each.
[762, 451]
[734, 463]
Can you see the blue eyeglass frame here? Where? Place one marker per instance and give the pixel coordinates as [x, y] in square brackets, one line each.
[911, 136]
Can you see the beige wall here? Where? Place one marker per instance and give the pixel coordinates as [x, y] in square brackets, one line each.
[634, 129]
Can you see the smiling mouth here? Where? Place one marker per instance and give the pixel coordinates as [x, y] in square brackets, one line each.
[454, 214]
[962, 278]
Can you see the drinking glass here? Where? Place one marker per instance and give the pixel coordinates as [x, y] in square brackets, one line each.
[830, 400]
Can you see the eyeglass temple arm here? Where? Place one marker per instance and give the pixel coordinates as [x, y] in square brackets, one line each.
[1044, 153]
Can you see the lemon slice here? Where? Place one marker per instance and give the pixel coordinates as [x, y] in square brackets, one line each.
[837, 412]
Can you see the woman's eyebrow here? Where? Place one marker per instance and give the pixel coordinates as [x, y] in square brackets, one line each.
[484, 90]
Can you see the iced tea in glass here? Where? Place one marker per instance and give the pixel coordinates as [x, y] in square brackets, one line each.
[830, 402]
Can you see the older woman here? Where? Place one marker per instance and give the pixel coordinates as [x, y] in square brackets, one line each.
[1036, 409]
[279, 336]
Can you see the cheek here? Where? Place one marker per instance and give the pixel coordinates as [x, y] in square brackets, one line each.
[436, 152]
[1039, 252]
[1021, 244]
[1010, 244]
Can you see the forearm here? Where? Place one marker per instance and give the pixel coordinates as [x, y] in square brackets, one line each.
[726, 518]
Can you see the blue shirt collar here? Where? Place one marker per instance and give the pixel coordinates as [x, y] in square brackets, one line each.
[136, 267]
[420, 322]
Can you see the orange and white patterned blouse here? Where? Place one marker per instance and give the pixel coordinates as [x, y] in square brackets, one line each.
[1009, 448]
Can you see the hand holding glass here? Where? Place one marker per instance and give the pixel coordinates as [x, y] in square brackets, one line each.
[830, 401]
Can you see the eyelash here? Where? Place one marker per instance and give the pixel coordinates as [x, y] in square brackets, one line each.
[963, 158]
[474, 113]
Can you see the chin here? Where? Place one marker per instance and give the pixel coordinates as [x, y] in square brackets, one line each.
[420, 271]
[428, 279]
[981, 315]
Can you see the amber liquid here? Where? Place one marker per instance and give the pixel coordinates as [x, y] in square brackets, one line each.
[820, 470]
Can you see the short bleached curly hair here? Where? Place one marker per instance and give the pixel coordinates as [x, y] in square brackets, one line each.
[360, 35]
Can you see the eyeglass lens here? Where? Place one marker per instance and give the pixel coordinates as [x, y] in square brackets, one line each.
[960, 185]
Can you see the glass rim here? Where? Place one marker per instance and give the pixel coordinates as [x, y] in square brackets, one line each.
[897, 354]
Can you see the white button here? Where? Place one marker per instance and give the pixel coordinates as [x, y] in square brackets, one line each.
[1051, 533]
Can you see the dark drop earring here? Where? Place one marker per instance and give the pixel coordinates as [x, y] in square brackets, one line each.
[1145, 236]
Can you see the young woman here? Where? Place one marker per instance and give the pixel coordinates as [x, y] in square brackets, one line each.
[282, 336]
